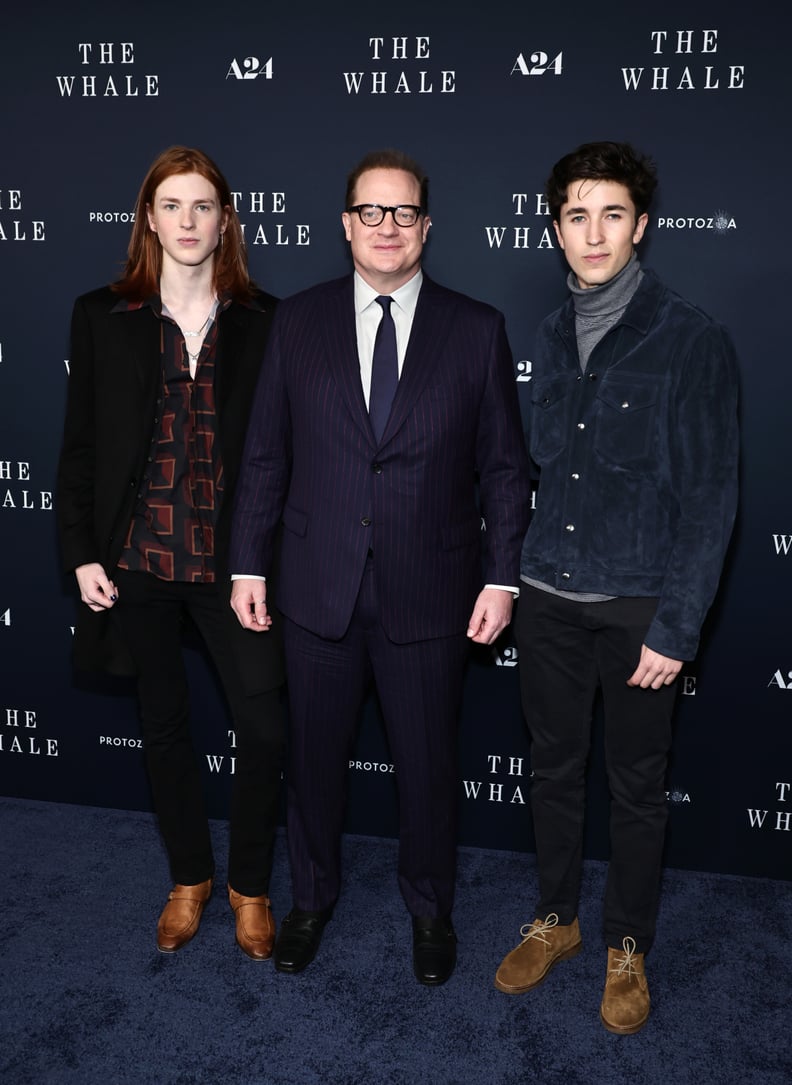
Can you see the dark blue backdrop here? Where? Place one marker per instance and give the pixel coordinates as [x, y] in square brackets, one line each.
[487, 97]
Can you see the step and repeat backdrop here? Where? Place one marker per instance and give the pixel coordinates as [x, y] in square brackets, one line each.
[287, 98]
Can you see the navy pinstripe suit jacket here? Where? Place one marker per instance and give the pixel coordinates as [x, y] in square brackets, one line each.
[452, 452]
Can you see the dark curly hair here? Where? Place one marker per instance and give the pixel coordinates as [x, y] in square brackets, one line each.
[604, 161]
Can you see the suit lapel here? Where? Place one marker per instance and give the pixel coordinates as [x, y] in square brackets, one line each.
[431, 327]
[139, 333]
[232, 334]
[340, 336]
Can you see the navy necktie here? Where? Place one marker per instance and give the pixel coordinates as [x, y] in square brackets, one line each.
[384, 370]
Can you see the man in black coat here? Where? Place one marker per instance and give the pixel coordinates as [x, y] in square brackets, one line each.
[162, 372]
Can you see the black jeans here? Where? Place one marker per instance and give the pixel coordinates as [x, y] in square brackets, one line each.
[149, 615]
[569, 650]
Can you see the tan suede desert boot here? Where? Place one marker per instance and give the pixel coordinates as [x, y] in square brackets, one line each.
[625, 1002]
[544, 944]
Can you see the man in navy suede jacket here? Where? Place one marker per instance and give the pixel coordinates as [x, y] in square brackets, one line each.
[633, 427]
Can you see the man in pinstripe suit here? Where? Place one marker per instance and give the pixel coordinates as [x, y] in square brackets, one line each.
[386, 574]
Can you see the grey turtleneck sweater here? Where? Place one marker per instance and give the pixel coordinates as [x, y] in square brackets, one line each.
[599, 308]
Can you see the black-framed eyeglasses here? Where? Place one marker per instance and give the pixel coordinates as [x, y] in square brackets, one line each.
[372, 214]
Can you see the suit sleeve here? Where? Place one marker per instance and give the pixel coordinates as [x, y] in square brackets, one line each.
[502, 463]
[265, 468]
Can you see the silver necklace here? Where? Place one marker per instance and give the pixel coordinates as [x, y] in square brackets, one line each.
[196, 335]
[201, 330]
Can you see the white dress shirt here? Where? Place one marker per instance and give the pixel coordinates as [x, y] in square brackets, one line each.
[368, 315]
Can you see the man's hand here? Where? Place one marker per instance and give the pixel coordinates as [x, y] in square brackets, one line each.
[491, 614]
[249, 603]
[96, 591]
[654, 670]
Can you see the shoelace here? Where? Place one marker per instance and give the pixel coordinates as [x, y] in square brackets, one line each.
[627, 962]
[538, 929]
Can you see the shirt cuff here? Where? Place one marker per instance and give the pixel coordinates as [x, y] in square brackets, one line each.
[504, 587]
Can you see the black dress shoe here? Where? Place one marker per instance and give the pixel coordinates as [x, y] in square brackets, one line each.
[434, 950]
[298, 939]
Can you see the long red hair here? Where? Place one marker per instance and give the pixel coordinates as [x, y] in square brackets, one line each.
[144, 254]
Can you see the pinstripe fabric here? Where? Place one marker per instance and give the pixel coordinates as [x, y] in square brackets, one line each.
[311, 459]
[419, 688]
[398, 617]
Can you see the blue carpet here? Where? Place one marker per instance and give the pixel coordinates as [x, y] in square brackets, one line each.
[86, 998]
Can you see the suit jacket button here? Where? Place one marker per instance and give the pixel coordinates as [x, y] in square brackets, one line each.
[376, 468]
[366, 521]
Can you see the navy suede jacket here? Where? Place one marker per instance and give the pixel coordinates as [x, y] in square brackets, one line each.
[637, 460]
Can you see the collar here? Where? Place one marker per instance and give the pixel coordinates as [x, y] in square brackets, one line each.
[154, 302]
[609, 297]
[406, 297]
[640, 313]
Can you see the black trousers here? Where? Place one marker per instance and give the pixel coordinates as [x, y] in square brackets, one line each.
[569, 650]
[150, 615]
[419, 687]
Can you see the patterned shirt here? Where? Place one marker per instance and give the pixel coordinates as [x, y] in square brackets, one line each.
[171, 534]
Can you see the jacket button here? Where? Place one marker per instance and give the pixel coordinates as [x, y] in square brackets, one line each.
[565, 576]
[575, 476]
[581, 425]
[376, 468]
[366, 521]
[570, 527]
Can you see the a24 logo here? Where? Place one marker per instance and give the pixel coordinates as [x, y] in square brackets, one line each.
[250, 68]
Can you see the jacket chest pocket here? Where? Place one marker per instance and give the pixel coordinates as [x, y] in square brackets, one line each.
[626, 420]
[548, 430]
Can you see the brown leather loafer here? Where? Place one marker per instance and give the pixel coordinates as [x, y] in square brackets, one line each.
[255, 924]
[544, 944]
[181, 916]
[625, 1001]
